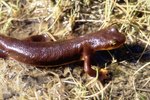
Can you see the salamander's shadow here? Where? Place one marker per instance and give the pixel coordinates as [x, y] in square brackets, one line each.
[130, 53]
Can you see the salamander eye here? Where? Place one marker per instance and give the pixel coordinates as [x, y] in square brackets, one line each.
[113, 42]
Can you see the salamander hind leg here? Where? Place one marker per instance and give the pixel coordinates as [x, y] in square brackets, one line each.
[38, 38]
[3, 54]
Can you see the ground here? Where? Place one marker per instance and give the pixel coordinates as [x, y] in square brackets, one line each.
[129, 65]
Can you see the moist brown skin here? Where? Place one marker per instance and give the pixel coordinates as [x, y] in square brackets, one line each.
[42, 52]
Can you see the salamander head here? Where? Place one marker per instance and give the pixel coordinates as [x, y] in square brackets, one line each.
[107, 39]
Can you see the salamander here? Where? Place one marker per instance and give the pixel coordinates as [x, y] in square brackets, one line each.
[44, 53]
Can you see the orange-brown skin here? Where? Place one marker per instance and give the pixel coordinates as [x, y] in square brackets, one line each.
[42, 52]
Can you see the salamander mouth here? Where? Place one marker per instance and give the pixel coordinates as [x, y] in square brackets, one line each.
[109, 47]
[114, 47]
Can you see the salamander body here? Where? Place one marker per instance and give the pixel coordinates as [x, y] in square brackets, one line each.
[45, 53]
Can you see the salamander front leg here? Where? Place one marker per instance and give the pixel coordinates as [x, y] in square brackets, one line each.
[87, 62]
[87, 66]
